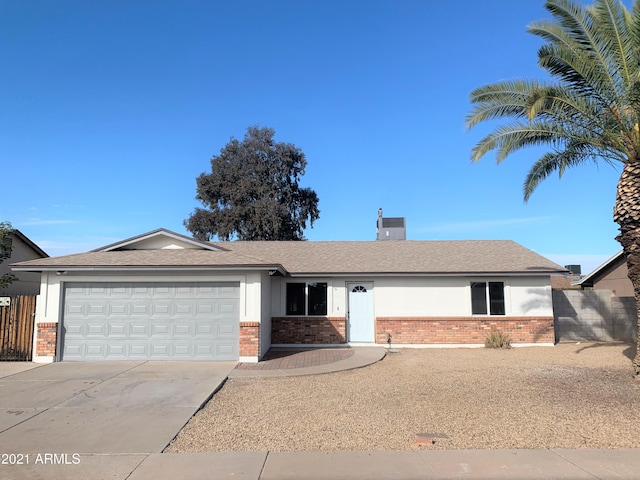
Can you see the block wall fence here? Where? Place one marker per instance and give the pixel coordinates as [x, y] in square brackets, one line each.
[594, 315]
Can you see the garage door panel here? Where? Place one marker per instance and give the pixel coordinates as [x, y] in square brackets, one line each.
[223, 350]
[117, 330]
[137, 350]
[183, 330]
[226, 329]
[118, 309]
[96, 329]
[153, 320]
[74, 350]
[141, 308]
[96, 349]
[204, 329]
[139, 328]
[183, 309]
[227, 308]
[162, 309]
[160, 329]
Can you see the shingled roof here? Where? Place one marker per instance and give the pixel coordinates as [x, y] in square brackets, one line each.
[399, 257]
[403, 257]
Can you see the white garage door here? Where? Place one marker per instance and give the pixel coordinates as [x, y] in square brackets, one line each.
[155, 321]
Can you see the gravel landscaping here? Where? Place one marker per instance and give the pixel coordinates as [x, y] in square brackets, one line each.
[567, 396]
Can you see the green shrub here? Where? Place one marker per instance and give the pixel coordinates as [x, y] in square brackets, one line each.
[497, 340]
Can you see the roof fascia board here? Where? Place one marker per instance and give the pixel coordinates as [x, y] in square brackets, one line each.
[62, 268]
[537, 273]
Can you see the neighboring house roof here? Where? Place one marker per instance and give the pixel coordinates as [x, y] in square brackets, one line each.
[588, 280]
[299, 258]
[563, 282]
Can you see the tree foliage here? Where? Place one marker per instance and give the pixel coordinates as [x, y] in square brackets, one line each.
[587, 113]
[253, 192]
[5, 252]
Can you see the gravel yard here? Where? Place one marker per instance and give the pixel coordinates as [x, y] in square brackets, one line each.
[567, 396]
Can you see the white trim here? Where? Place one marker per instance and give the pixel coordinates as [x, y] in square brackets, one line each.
[42, 359]
[248, 359]
[63, 269]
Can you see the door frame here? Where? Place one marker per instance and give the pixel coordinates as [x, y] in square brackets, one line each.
[369, 285]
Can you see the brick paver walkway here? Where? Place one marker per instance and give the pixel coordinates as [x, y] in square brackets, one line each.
[277, 359]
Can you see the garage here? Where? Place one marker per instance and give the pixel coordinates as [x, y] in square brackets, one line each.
[151, 320]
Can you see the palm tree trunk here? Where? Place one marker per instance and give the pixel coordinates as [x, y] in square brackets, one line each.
[626, 214]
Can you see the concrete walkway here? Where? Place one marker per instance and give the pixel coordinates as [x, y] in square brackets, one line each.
[52, 458]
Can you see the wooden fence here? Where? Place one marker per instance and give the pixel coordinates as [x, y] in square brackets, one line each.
[16, 328]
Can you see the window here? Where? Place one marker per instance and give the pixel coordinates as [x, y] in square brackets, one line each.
[311, 295]
[295, 298]
[487, 293]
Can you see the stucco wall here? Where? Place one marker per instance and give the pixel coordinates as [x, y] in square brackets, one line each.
[427, 296]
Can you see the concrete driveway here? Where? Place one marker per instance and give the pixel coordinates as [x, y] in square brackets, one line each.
[101, 407]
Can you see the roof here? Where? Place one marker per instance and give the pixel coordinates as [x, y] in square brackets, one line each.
[400, 257]
[297, 258]
[588, 279]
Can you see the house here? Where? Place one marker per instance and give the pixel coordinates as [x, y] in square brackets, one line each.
[22, 249]
[611, 275]
[162, 295]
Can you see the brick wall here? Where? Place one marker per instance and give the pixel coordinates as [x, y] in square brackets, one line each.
[46, 339]
[462, 330]
[308, 330]
[249, 339]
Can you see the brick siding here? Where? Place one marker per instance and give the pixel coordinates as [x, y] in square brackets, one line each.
[462, 330]
[46, 339]
[308, 330]
[249, 339]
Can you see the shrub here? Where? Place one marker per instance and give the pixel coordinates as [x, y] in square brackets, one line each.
[497, 340]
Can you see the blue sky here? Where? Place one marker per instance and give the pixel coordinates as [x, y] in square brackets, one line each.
[110, 110]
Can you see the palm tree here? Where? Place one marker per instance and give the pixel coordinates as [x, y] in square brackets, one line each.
[588, 112]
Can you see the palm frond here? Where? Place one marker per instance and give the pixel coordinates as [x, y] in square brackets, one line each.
[500, 100]
[590, 111]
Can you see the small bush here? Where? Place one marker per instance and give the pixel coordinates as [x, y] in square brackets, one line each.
[497, 340]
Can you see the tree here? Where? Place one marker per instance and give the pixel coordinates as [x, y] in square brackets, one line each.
[253, 192]
[5, 252]
[588, 112]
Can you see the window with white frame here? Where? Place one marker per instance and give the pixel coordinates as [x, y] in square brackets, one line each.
[487, 298]
[307, 298]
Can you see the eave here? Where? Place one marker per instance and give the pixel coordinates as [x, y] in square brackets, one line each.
[155, 268]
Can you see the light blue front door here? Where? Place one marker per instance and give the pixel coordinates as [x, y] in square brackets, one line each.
[361, 318]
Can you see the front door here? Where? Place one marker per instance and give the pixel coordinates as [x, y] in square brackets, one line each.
[360, 314]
